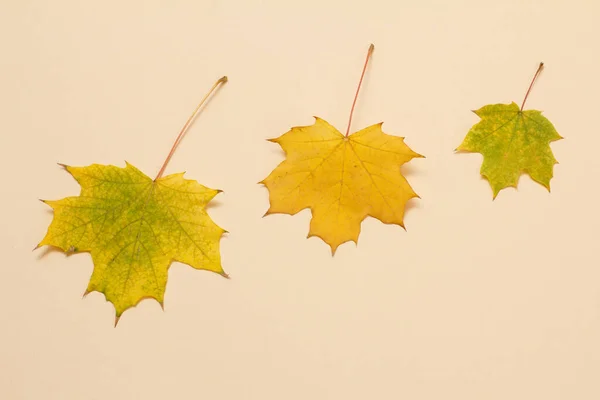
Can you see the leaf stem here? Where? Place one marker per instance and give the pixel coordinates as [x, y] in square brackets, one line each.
[540, 68]
[187, 125]
[369, 53]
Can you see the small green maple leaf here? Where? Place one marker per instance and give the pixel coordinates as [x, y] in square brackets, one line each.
[512, 141]
[134, 227]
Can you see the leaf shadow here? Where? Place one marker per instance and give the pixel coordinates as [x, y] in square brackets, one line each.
[213, 204]
[411, 204]
[408, 171]
[47, 250]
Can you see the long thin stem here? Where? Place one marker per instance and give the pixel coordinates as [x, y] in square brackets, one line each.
[540, 68]
[187, 125]
[371, 48]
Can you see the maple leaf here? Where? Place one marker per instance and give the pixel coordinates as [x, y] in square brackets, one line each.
[512, 141]
[341, 178]
[134, 227]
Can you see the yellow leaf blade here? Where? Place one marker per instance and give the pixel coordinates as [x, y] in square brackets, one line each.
[135, 228]
[341, 179]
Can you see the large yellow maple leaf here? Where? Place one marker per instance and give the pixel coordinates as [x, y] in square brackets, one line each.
[342, 179]
[134, 227]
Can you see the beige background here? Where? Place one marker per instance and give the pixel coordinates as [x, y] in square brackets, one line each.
[479, 299]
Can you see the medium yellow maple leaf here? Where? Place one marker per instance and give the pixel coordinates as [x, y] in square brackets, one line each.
[342, 179]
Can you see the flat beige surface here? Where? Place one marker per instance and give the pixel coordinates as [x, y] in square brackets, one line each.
[479, 299]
